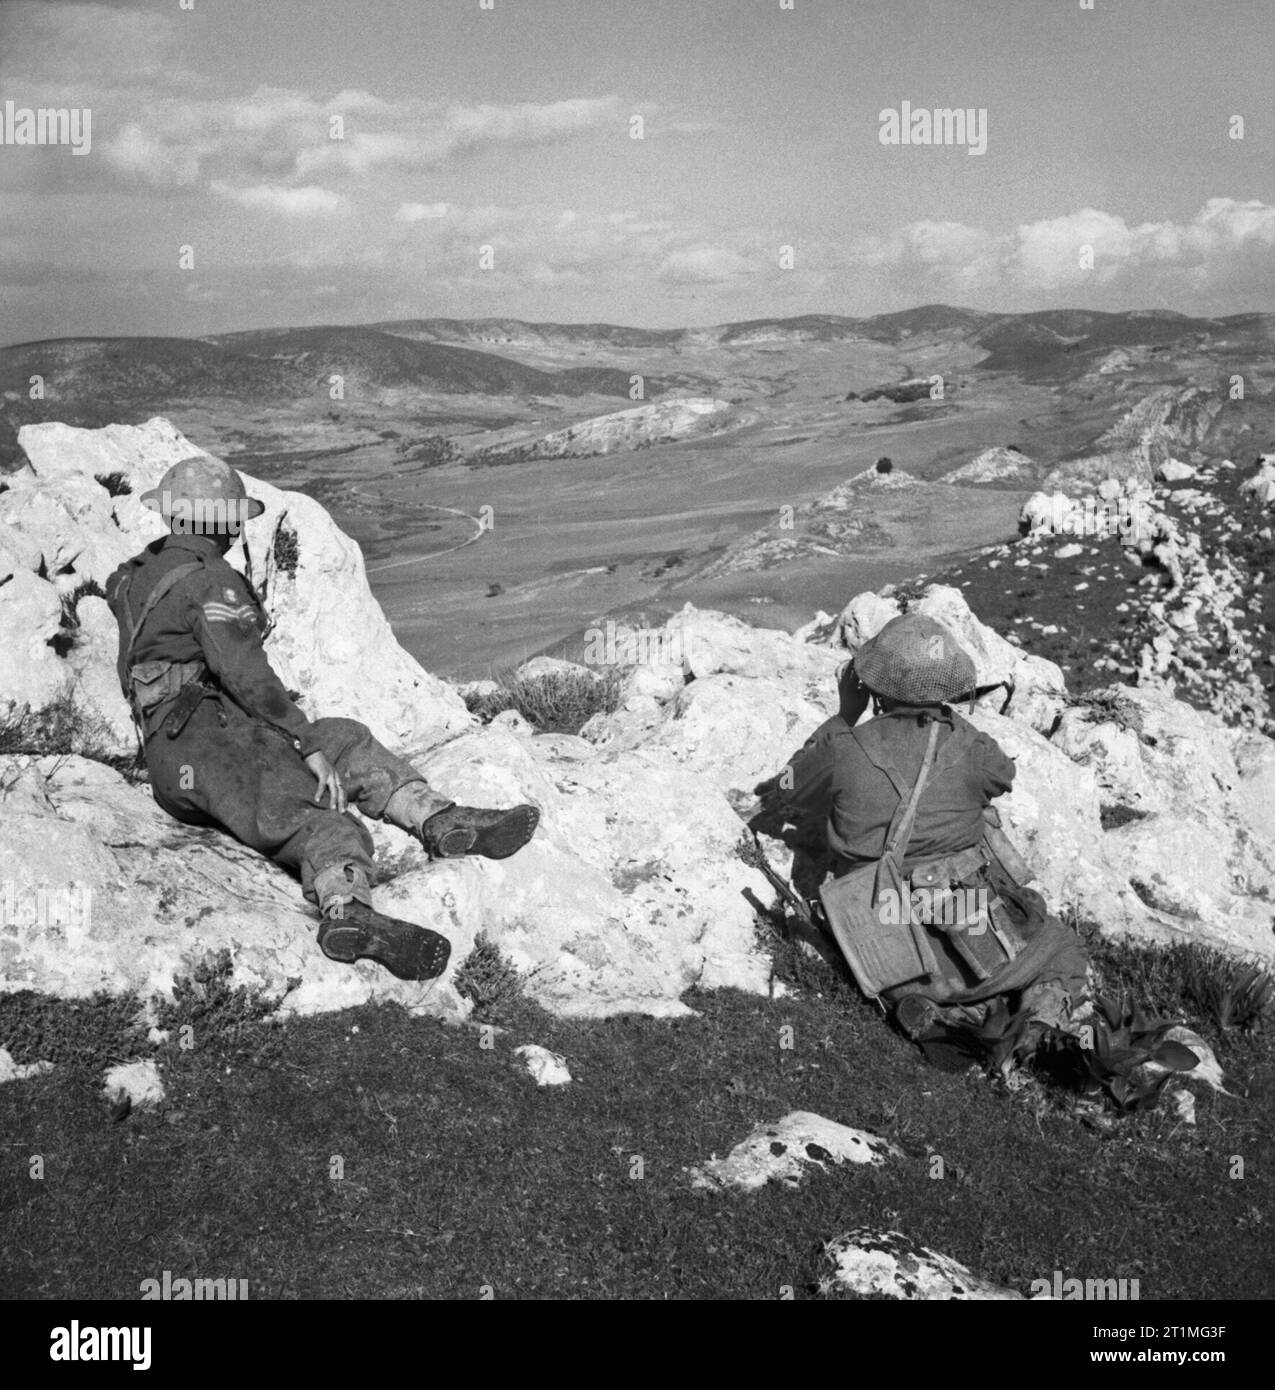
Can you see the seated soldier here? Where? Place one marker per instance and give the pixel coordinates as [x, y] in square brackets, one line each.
[226, 745]
[843, 788]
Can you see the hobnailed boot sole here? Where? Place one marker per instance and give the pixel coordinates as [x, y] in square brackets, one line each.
[498, 840]
[407, 951]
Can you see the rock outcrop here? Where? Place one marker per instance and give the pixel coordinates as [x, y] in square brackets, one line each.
[993, 466]
[633, 888]
[1170, 420]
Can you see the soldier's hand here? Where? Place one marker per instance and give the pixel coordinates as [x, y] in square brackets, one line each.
[855, 696]
[329, 779]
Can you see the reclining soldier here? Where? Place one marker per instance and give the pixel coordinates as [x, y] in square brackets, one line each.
[226, 744]
[849, 787]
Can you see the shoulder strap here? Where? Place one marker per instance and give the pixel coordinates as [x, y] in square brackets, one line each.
[162, 587]
[900, 831]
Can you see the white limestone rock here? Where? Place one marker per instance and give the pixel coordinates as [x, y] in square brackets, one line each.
[137, 1082]
[20, 1071]
[870, 1261]
[1175, 471]
[784, 1152]
[992, 465]
[545, 1068]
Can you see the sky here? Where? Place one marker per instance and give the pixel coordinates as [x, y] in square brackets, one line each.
[483, 161]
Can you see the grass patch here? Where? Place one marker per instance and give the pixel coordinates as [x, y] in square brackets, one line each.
[62, 727]
[457, 1172]
[555, 702]
[1214, 991]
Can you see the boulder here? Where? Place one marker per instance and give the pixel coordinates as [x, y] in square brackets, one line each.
[784, 1152]
[1175, 471]
[867, 1261]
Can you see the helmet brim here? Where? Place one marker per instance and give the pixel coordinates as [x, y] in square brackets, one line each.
[246, 507]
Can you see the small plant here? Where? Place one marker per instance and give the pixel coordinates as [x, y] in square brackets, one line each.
[65, 638]
[488, 978]
[63, 726]
[1110, 707]
[884, 465]
[1186, 977]
[556, 702]
[214, 1009]
[1231, 994]
[115, 483]
[1123, 1039]
[286, 553]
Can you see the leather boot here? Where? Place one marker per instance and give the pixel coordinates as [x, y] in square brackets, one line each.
[353, 931]
[457, 830]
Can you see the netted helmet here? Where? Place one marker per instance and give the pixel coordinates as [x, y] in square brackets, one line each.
[916, 660]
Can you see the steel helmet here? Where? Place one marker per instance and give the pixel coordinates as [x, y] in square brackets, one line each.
[202, 494]
[915, 659]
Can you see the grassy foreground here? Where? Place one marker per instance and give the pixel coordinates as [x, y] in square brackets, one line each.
[368, 1154]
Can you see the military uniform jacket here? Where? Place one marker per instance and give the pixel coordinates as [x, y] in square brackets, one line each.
[838, 785]
[209, 616]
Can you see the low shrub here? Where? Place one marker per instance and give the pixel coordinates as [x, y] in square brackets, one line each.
[556, 702]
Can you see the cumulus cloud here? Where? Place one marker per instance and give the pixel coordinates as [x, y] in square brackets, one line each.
[281, 135]
[1148, 261]
[705, 265]
[308, 201]
[422, 212]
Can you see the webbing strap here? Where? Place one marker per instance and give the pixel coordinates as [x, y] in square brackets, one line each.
[135, 625]
[901, 826]
[896, 840]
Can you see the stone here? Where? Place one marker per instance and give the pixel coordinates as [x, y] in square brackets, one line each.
[545, 1068]
[1175, 471]
[871, 1261]
[784, 1152]
[20, 1071]
[137, 1082]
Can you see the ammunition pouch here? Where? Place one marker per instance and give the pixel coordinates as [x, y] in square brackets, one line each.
[154, 684]
[941, 932]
